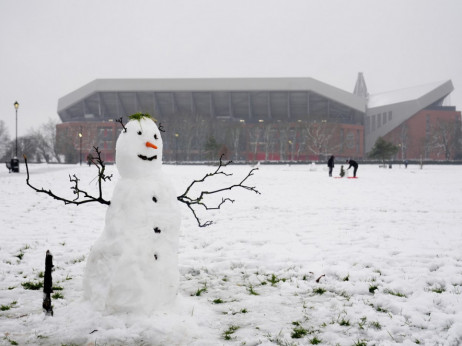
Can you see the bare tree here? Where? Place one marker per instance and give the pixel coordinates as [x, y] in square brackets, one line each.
[320, 138]
[404, 140]
[4, 141]
[48, 131]
[444, 139]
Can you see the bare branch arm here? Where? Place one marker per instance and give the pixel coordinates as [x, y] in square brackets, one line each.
[87, 198]
[190, 202]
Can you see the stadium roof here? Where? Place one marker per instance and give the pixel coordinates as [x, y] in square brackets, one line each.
[210, 85]
[431, 92]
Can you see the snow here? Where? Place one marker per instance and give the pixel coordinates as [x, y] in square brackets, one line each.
[385, 248]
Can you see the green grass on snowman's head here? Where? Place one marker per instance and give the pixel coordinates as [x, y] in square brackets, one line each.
[138, 116]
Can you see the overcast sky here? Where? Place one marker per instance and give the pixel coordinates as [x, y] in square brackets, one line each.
[50, 48]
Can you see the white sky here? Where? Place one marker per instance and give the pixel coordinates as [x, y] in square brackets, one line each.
[50, 48]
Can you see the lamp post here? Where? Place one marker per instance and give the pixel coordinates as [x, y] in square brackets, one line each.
[80, 137]
[176, 147]
[16, 106]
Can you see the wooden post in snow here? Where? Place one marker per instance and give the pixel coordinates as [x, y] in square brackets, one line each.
[48, 284]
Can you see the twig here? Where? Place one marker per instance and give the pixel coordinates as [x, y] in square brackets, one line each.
[190, 202]
[319, 278]
[121, 123]
[87, 198]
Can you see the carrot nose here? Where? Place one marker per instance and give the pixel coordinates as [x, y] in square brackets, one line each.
[150, 145]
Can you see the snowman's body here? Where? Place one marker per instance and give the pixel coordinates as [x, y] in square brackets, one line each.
[133, 266]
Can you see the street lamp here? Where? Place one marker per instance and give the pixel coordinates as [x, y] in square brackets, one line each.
[291, 150]
[16, 106]
[176, 147]
[80, 137]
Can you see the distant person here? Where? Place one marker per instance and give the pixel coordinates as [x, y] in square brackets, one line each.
[330, 164]
[405, 163]
[353, 164]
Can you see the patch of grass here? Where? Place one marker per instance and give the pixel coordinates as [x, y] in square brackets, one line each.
[200, 291]
[242, 311]
[344, 322]
[315, 341]
[360, 343]
[380, 309]
[252, 291]
[373, 288]
[30, 285]
[346, 278]
[57, 288]
[377, 271]
[362, 322]
[273, 280]
[345, 295]
[218, 301]
[68, 277]
[376, 325]
[417, 341]
[57, 295]
[298, 332]
[8, 307]
[227, 334]
[12, 342]
[396, 293]
[20, 255]
[319, 290]
[438, 290]
[78, 259]
[11, 288]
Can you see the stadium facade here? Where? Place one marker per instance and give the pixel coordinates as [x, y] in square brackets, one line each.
[249, 119]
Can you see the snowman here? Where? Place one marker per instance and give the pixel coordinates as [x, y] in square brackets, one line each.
[133, 266]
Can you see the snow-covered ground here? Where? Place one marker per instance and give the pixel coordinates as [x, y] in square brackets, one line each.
[369, 261]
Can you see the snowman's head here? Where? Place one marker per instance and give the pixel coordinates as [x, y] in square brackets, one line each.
[139, 147]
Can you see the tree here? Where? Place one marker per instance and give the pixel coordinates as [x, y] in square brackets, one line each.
[4, 141]
[65, 147]
[383, 150]
[211, 147]
[48, 138]
[321, 138]
[446, 138]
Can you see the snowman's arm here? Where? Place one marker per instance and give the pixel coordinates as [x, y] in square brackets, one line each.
[191, 202]
[87, 198]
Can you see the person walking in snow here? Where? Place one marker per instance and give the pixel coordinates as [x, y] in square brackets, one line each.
[353, 164]
[330, 164]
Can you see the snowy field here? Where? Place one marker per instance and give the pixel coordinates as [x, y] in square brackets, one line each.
[312, 260]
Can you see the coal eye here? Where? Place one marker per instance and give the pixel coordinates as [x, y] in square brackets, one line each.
[155, 136]
[139, 132]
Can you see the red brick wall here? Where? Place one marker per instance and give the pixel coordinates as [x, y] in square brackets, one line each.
[100, 134]
[414, 136]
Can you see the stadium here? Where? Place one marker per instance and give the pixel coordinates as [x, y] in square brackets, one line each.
[262, 119]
